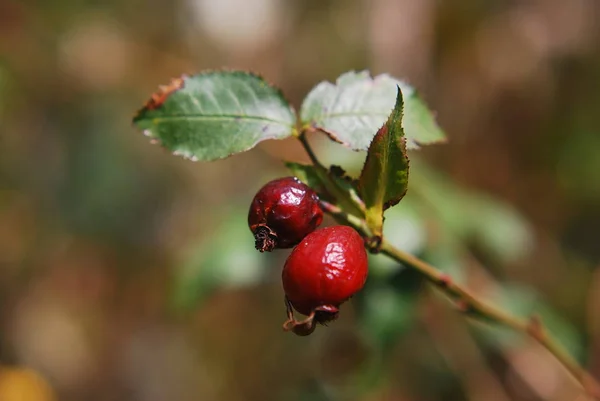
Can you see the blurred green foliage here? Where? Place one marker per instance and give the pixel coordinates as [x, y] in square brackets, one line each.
[213, 266]
[101, 233]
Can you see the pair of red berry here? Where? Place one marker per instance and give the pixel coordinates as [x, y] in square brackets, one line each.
[326, 267]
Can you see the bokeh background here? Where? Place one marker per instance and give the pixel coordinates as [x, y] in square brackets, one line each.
[128, 274]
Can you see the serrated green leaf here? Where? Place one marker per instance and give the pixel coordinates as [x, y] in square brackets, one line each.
[419, 122]
[352, 110]
[214, 115]
[307, 174]
[384, 178]
[329, 186]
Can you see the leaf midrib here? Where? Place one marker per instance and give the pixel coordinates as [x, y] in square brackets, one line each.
[385, 161]
[219, 117]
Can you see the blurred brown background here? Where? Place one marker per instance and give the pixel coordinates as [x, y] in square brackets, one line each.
[129, 274]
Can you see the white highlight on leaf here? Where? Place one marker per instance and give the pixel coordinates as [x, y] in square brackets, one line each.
[186, 154]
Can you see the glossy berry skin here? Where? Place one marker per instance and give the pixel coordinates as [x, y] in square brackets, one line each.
[324, 270]
[282, 213]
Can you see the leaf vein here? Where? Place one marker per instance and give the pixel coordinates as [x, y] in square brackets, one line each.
[236, 101]
[195, 101]
[255, 98]
[219, 117]
[214, 100]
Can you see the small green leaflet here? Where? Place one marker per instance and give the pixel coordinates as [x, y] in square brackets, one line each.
[351, 110]
[384, 179]
[330, 187]
[307, 173]
[216, 114]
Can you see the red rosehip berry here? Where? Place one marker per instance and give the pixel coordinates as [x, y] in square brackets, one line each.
[322, 272]
[282, 213]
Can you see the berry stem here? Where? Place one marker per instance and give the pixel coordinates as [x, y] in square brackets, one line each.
[343, 198]
[300, 328]
[359, 224]
[467, 302]
[309, 151]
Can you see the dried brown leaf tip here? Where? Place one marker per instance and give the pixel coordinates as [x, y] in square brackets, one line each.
[164, 91]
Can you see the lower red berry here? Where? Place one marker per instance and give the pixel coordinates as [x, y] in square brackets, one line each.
[323, 271]
[282, 213]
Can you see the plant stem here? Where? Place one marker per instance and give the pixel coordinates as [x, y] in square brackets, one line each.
[308, 149]
[471, 304]
[467, 302]
[349, 201]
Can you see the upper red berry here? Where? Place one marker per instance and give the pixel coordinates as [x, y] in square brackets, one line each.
[324, 270]
[282, 213]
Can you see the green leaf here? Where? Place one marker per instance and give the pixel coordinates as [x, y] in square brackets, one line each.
[351, 110]
[330, 186]
[419, 122]
[214, 115]
[384, 178]
[307, 173]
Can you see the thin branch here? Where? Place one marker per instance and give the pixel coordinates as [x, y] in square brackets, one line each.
[468, 302]
[471, 304]
[359, 224]
[348, 200]
[308, 149]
